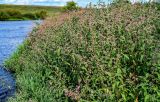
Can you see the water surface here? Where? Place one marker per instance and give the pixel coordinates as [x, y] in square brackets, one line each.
[13, 33]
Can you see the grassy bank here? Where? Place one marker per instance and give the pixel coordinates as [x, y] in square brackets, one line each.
[98, 55]
[24, 12]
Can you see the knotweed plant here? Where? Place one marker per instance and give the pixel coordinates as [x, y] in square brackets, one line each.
[107, 54]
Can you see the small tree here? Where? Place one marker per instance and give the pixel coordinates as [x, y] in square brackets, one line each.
[4, 15]
[71, 6]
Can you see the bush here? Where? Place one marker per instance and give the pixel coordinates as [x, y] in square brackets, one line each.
[122, 1]
[14, 13]
[4, 15]
[30, 16]
[41, 14]
[9, 14]
[71, 6]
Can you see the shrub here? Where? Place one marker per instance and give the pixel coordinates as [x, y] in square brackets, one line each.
[4, 15]
[30, 16]
[9, 14]
[14, 13]
[70, 6]
[41, 14]
[122, 1]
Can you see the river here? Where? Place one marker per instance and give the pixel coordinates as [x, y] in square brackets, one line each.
[12, 34]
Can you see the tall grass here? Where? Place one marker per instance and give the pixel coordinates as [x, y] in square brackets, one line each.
[102, 55]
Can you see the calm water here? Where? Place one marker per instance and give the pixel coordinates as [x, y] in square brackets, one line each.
[12, 34]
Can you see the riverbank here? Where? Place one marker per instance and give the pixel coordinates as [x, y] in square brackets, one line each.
[23, 12]
[110, 54]
[12, 35]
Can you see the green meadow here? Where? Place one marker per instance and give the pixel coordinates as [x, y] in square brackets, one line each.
[105, 54]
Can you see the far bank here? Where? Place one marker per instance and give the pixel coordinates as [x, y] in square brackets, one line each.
[26, 12]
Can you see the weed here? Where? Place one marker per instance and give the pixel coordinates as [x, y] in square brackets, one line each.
[101, 54]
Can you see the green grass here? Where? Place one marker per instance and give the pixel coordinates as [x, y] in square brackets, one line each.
[25, 12]
[31, 9]
[97, 55]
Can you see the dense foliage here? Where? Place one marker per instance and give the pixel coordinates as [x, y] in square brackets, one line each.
[4, 15]
[17, 15]
[102, 55]
[51, 10]
[70, 6]
[26, 12]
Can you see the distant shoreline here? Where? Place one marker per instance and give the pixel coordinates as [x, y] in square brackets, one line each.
[33, 5]
[26, 12]
[21, 20]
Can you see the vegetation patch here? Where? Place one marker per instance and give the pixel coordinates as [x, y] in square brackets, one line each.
[71, 6]
[105, 54]
[21, 12]
[17, 15]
